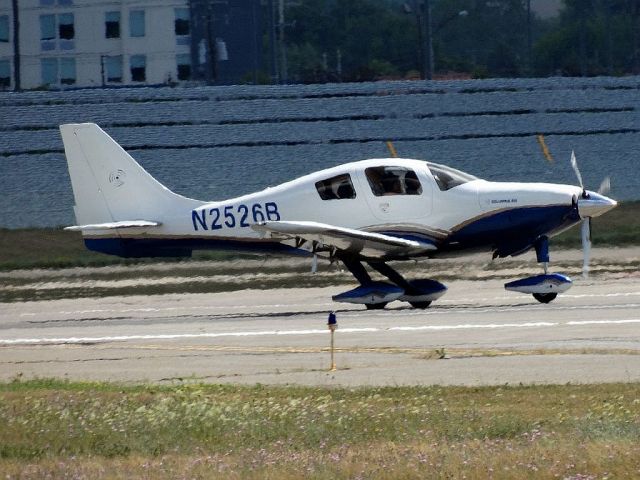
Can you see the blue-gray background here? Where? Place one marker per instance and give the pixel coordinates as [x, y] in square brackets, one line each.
[216, 142]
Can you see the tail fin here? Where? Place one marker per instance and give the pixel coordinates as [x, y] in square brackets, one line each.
[109, 186]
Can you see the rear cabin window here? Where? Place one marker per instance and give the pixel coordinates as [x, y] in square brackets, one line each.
[393, 181]
[336, 188]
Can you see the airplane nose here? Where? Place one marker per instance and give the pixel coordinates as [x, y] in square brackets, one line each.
[594, 204]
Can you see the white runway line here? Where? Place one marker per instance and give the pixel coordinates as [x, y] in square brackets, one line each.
[122, 338]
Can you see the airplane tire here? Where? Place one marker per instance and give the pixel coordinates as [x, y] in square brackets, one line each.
[375, 306]
[545, 297]
[422, 305]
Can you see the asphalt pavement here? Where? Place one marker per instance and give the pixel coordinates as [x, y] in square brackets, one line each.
[476, 334]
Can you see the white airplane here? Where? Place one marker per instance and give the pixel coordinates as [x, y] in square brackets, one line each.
[371, 212]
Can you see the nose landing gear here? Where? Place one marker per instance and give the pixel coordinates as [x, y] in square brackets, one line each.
[544, 288]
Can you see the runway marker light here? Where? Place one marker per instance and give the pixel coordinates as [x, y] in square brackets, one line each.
[332, 323]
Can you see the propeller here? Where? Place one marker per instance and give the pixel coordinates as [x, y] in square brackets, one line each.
[589, 204]
[585, 231]
[574, 165]
[605, 186]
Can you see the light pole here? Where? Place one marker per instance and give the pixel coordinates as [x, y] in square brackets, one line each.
[16, 45]
[426, 31]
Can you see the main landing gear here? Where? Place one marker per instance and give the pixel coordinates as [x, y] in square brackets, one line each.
[376, 295]
[544, 288]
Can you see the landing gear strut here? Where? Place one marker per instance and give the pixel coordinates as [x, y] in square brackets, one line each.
[376, 295]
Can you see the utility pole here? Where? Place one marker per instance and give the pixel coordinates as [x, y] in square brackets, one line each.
[582, 41]
[254, 43]
[635, 48]
[211, 52]
[529, 41]
[16, 45]
[275, 71]
[428, 37]
[283, 48]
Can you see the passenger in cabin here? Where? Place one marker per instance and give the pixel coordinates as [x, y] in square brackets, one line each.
[386, 181]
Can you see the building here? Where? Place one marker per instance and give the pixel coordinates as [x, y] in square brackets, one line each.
[98, 43]
[227, 40]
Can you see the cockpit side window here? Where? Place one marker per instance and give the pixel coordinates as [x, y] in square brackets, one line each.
[447, 177]
[391, 180]
[336, 188]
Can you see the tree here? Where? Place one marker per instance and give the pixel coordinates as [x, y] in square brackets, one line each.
[591, 37]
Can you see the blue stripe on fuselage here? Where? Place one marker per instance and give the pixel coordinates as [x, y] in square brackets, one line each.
[181, 247]
[513, 230]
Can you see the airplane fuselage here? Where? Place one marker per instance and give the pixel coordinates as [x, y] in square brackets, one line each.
[506, 218]
[367, 212]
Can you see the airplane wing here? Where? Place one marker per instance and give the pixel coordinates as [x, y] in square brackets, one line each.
[367, 244]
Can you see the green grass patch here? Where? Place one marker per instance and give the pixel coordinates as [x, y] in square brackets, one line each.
[56, 248]
[67, 428]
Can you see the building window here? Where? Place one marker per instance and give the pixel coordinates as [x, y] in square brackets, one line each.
[138, 68]
[67, 71]
[58, 71]
[113, 69]
[49, 67]
[136, 23]
[60, 27]
[4, 28]
[112, 25]
[182, 21]
[66, 29]
[47, 27]
[5, 74]
[184, 66]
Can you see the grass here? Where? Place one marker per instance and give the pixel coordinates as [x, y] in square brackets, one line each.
[52, 428]
[56, 248]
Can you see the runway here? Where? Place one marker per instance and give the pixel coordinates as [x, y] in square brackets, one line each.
[485, 334]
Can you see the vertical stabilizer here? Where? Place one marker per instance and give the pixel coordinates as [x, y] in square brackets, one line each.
[109, 185]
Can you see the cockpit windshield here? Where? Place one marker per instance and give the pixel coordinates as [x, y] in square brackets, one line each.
[447, 177]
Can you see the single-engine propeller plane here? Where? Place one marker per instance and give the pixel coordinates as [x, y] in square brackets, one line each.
[367, 212]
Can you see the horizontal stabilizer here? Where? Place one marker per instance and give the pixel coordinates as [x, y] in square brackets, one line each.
[368, 244]
[114, 225]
